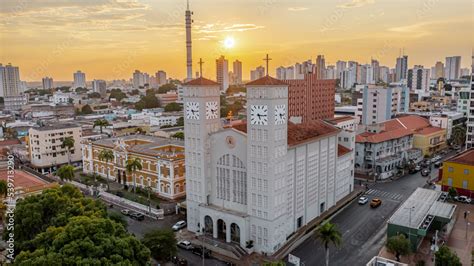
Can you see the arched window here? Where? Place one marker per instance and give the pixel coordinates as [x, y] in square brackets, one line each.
[231, 179]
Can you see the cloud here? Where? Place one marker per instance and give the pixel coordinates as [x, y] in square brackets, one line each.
[297, 9]
[356, 3]
[218, 27]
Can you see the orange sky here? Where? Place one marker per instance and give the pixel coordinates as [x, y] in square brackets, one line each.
[109, 39]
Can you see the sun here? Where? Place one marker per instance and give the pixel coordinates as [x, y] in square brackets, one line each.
[229, 42]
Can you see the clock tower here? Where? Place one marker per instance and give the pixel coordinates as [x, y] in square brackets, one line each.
[267, 127]
[201, 118]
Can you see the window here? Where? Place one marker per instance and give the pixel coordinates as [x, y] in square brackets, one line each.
[466, 171]
[464, 184]
[450, 181]
[450, 169]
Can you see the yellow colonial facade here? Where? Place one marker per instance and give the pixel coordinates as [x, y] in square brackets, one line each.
[458, 173]
[162, 161]
[430, 140]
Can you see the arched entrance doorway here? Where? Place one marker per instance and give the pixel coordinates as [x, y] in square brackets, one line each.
[221, 229]
[208, 225]
[235, 233]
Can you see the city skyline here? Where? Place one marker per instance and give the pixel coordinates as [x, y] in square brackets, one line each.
[110, 39]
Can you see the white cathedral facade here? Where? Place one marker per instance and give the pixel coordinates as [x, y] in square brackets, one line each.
[262, 180]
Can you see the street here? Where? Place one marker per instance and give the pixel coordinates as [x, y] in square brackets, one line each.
[363, 228]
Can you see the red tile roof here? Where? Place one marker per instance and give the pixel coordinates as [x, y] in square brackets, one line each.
[339, 119]
[383, 136]
[301, 133]
[201, 82]
[266, 81]
[429, 130]
[412, 122]
[341, 150]
[466, 157]
[9, 142]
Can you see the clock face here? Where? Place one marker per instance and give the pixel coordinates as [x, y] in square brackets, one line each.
[259, 115]
[192, 110]
[280, 114]
[212, 110]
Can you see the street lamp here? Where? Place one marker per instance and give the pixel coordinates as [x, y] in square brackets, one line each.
[412, 208]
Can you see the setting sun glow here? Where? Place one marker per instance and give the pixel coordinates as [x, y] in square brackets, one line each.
[229, 42]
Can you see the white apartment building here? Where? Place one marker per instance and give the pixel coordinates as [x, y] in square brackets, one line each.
[470, 117]
[46, 153]
[61, 98]
[257, 73]
[15, 103]
[9, 80]
[237, 70]
[79, 80]
[452, 67]
[99, 86]
[47, 83]
[222, 72]
[418, 80]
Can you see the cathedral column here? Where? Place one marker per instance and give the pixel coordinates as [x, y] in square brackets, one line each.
[227, 233]
[214, 228]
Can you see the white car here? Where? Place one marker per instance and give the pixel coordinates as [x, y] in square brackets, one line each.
[185, 244]
[363, 200]
[463, 199]
[179, 225]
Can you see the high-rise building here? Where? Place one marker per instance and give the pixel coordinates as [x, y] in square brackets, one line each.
[281, 72]
[330, 72]
[470, 117]
[438, 70]
[419, 79]
[259, 72]
[138, 80]
[189, 50]
[47, 83]
[384, 74]
[160, 77]
[321, 66]
[99, 86]
[380, 104]
[375, 70]
[9, 80]
[237, 71]
[349, 75]
[222, 72]
[340, 67]
[79, 80]
[401, 68]
[452, 67]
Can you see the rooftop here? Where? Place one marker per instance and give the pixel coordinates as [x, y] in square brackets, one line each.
[341, 150]
[201, 82]
[56, 127]
[466, 157]
[338, 119]
[266, 81]
[419, 205]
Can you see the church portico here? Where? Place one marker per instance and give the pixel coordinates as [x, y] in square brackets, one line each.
[228, 226]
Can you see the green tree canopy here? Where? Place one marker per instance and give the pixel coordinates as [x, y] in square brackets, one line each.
[101, 123]
[328, 234]
[398, 245]
[66, 172]
[147, 102]
[162, 244]
[166, 88]
[117, 94]
[179, 135]
[134, 92]
[173, 107]
[86, 110]
[3, 188]
[180, 122]
[94, 95]
[81, 90]
[444, 256]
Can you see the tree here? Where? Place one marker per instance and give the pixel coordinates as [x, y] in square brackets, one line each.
[101, 123]
[81, 90]
[94, 95]
[68, 143]
[458, 136]
[87, 110]
[134, 92]
[118, 218]
[3, 188]
[173, 107]
[328, 234]
[180, 122]
[66, 172]
[117, 94]
[85, 241]
[444, 256]
[147, 102]
[10, 133]
[166, 88]
[132, 165]
[162, 244]
[398, 245]
[106, 156]
[452, 192]
[178, 135]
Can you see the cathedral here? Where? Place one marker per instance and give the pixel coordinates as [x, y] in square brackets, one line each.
[256, 183]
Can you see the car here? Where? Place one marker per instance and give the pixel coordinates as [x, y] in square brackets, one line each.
[125, 212]
[179, 225]
[179, 261]
[375, 202]
[199, 251]
[462, 199]
[363, 200]
[438, 164]
[425, 172]
[137, 216]
[418, 168]
[185, 244]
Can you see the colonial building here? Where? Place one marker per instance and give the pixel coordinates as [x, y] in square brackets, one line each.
[162, 163]
[259, 181]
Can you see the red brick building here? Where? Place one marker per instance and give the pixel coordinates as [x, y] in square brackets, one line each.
[311, 98]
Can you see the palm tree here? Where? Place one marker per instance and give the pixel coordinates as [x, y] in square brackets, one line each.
[106, 156]
[101, 123]
[3, 188]
[133, 164]
[68, 143]
[66, 172]
[328, 234]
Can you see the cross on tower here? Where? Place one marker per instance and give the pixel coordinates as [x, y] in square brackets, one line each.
[200, 66]
[267, 59]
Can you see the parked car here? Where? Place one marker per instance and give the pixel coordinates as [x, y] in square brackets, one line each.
[462, 199]
[438, 164]
[199, 250]
[137, 216]
[425, 172]
[185, 244]
[125, 212]
[375, 202]
[363, 200]
[179, 225]
[179, 261]
[418, 168]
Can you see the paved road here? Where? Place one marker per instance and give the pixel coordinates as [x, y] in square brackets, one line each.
[362, 228]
